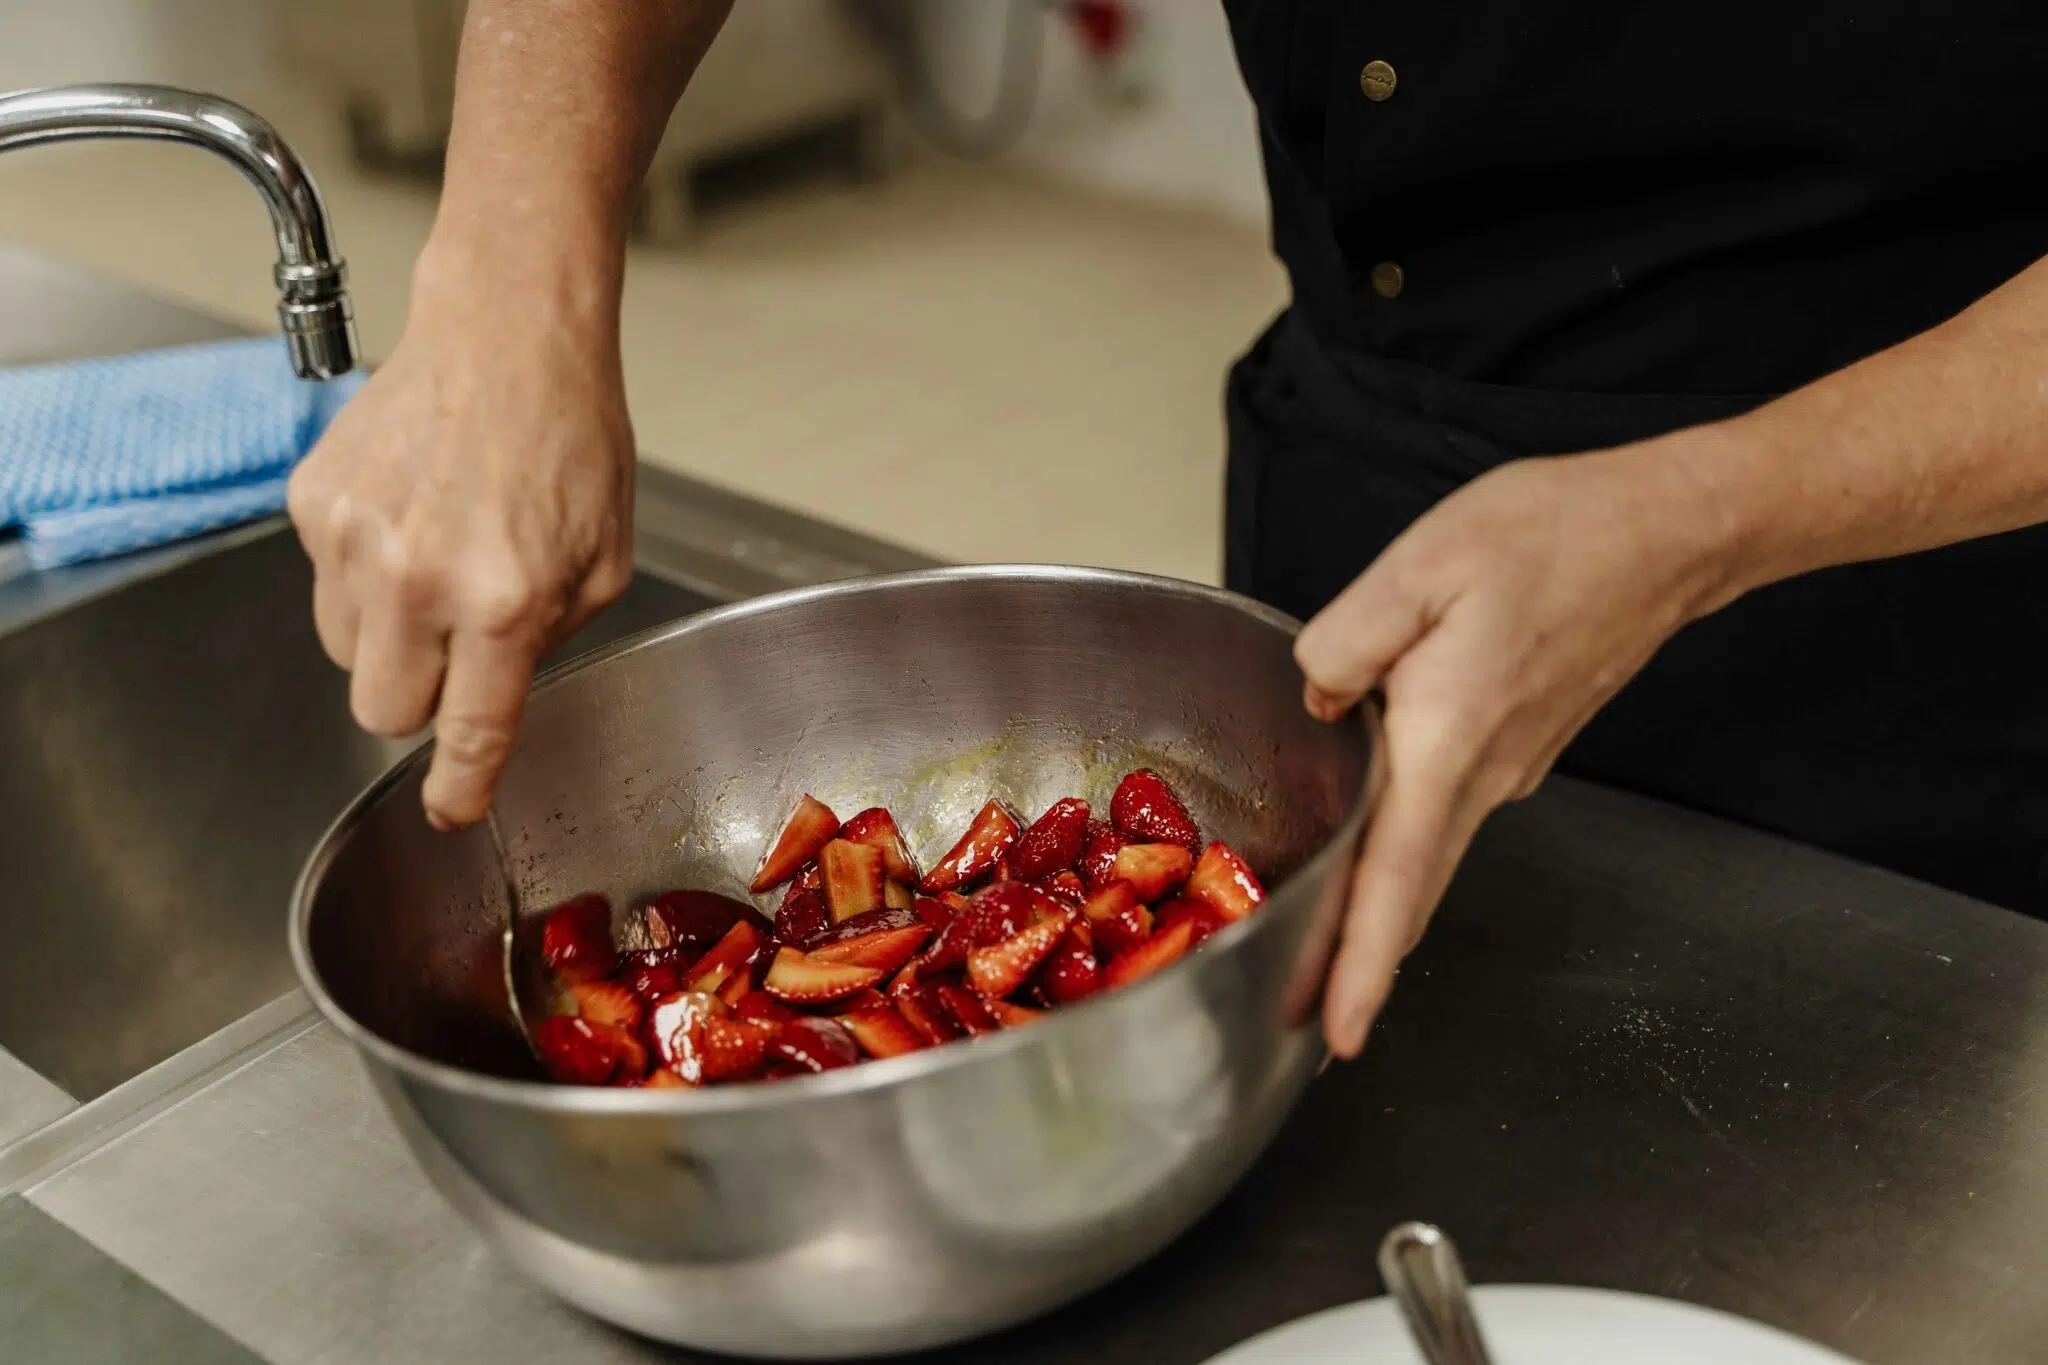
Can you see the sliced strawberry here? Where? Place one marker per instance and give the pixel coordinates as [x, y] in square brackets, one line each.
[802, 920]
[898, 896]
[932, 911]
[573, 1052]
[610, 1003]
[1001, 968]
[1147, 810]
[886, 950]
[967, 1009]
[734, 952]
[628, 1053]
[1002, 871]
[576, 939]
[882, 1032]
[853, 878]
[1202, 915]
[921, 1007]
[1067, 886]
[877, 828]
[1054, 841]
[1160, 951]
[762, 1008]
[1098, 855]
[694, 920]
[815, 1045]
[661, 1078]
[809, 828]
[873, 922]
[1225, 881]
[987, 839]
[1071, 973]
[649, 972]
[1153, 870]
[733, 1049]
[674, 1023]
[1012, 1015]
[801, 980]
[1120, 923]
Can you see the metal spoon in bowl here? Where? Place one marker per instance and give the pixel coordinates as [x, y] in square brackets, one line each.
[1421, 1267]
[517, 978]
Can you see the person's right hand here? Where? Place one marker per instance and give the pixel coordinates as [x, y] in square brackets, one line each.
[467, 511]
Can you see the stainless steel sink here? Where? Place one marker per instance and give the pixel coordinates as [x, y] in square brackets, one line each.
[168, 753]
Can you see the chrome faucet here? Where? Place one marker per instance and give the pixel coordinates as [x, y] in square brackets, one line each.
[312, 306]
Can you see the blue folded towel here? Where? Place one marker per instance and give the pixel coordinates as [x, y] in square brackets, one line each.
[100, 457]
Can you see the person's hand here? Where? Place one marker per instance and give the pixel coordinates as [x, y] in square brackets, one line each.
[466, 512]
[1494, 628]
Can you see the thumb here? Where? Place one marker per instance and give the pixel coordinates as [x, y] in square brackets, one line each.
[1349, 646]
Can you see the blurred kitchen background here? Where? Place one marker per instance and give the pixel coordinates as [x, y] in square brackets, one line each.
[964, 274]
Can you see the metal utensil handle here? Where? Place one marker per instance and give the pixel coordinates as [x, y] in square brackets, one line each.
[504, 860]
[1421, 1267]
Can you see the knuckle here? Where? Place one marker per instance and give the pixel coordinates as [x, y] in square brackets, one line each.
[474, 742]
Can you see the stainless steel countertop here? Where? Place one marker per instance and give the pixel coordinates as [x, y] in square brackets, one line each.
[1642, 1049]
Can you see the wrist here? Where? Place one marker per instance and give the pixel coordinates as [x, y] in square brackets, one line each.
[555, 278]
[1736, 498]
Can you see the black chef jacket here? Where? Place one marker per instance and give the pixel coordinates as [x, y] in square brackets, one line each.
[1535, 228]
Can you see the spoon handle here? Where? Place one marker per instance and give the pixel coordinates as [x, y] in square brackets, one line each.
[1421, 1267]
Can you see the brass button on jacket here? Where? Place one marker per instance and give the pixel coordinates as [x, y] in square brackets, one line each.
[1378, 81]
[1388, 280]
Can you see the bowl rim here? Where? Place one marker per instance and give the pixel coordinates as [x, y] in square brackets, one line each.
[873, 1074]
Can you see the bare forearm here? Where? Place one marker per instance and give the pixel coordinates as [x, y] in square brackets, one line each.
[558, 109]
[1940, 439]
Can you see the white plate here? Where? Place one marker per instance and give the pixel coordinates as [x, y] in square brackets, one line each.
[1539, 1325]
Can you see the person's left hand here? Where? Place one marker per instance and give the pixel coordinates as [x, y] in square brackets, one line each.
[1495, 627]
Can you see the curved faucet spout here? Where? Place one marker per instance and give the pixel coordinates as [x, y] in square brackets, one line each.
[313, 306]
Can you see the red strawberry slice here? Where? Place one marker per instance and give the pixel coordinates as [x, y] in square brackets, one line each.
[886, 950]
[1160, 951]
[650, 972]
[576, 939]
[1120, 922]
[693, 920]
[1054, 841]
[1001, 968]
[1147, 810]
[1098, 855]
[610, 1003]
[802, 920]
[1200, 914]
[661, 1078]
[876, 828]
[1066, 886]
[673, 1025]
[815, 1045]
[1224, 880]
[733, 953]
[966, 1008]
[1153, 870]
[733, 1049]
[853, 878]
[932, 911]
[627, 1049]
[882, 1032]
[987, 839]
[1001, 872]
[573, 1051]
[809, 828]
[1071, 973]
[921, 1007]
[874, 921]
[763, 1008]
[801, 980]
[1011, 1015]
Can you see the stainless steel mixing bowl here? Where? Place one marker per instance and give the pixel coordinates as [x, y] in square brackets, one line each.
[899, 1204]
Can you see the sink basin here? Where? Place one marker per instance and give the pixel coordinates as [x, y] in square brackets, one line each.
[168, 754]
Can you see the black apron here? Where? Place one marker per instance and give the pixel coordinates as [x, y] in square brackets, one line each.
[1894, 711]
